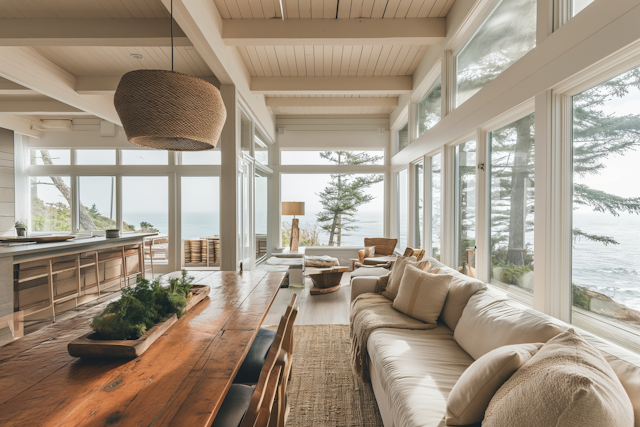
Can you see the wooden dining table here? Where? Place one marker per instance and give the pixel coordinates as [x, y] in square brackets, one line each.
[181, 380]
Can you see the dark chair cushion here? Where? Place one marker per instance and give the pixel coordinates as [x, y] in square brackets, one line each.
[234, 406]
[249, 372]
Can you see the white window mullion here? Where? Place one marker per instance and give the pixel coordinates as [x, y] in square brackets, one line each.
[75, 203]
[427, 207]
[483, 186]
[447, 220]
[553, 206]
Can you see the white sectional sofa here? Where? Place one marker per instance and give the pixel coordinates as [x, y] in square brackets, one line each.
[412, 372]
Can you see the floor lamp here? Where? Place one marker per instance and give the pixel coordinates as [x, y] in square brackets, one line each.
[293, 208]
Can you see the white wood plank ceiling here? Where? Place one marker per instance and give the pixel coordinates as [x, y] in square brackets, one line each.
[115, 61]
[331, 61]
[332, 9]
[69, 55]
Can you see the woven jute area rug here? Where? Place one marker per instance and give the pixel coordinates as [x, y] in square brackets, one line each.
[323, 391]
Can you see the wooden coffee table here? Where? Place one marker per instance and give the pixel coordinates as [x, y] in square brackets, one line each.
[326, 280]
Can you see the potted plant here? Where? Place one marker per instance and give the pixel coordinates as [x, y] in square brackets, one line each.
[21, 229]
[129, 325]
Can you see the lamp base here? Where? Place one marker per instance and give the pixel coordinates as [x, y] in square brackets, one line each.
[295, 235]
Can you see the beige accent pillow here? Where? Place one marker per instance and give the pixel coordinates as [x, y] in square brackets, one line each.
[369, 251]
[398, 270]
[421, 294]
[567, 383]
[471, 395]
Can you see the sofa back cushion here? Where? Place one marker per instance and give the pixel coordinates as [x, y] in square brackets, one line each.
[461, 289]
[567, 383]
[490, 321]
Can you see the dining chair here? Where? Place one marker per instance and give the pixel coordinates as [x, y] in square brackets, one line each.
[249, 406]
[249, 371]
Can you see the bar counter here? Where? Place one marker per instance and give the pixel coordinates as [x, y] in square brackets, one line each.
[42, 280]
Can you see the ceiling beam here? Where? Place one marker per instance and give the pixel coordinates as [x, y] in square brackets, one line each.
[18, 124]
[41, 108]
[91, 32]
[27, 67]
[7, 87]
[107, 85]
[333, 32]
[332, 85]
[202, 23]
[332, 102]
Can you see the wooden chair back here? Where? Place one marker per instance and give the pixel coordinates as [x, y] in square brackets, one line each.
[418, 253]
[259, 411]
[383, 245]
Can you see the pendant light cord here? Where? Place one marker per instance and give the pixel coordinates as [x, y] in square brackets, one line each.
[171, 35]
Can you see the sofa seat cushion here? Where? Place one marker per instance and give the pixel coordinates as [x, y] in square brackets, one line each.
[382, 259]
[417, 370]
[371, 271]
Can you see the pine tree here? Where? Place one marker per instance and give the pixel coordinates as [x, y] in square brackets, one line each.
[345, 193]
[597, 136]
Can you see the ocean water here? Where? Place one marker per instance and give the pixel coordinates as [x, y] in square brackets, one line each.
[613, 270]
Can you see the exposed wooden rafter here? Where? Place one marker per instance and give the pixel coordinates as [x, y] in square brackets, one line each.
[38, 108]
[332, 85]
[28, 68]
[7, 87]
[106, 85]
[335, 32]
[332, 102]
[90, 32]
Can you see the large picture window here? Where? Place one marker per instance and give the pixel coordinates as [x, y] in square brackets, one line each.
[429, 109]
[403, 205]
[606, 200]
[50, 203]
[97, 202]
[505, 36]
[512, 197]
[436, 199]
[340, 209]
[465, 207]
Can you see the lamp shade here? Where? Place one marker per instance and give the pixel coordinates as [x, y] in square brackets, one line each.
[167, 110]
[292, 208]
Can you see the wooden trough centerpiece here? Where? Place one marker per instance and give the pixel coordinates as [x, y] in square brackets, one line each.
[327, 280]
[90, 345]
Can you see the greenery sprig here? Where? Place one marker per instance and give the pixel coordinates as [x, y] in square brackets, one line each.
[142, 306]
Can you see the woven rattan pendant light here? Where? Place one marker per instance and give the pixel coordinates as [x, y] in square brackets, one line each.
[167, 110]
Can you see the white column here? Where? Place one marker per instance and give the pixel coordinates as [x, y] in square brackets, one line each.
[552, 230]
[229, 148]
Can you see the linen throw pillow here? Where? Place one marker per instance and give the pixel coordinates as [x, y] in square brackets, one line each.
[369, 251]
[421, 294]
[471, 395]
[398, 270]
[567, 383]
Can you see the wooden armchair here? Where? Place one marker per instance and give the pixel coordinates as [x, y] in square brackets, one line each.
[383, 251]
[418, 253]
